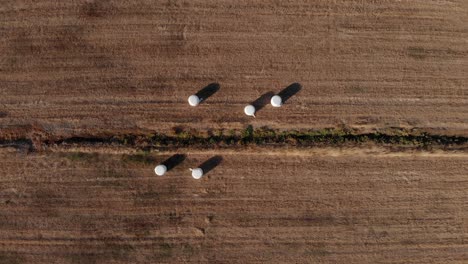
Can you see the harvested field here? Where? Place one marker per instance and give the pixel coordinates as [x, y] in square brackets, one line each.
[86, 67]
[320, 205]
[365, 163]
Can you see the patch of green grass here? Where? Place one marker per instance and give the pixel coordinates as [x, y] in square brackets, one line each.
[331, 136]
[247, 134]
[185, 137]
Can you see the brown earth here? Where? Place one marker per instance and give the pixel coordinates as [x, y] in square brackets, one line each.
[83, 67]
[103, 68]
[256, 206]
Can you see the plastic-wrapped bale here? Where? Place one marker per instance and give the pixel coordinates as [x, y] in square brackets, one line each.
[160, 170]
[194, 100]
[249, 110]
[276, 101]
[197, 173]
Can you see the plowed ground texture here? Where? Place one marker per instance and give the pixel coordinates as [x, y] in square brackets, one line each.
[255, 206]
[88, 89]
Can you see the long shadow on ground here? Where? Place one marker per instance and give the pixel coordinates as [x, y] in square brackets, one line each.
[173, 161]
[208, 91]
[290, 91]
[210, 164]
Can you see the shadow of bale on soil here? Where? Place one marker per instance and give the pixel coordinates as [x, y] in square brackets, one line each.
[173, 161]
[210, 164]
[207, 91]
[289, 91]
[262, 101]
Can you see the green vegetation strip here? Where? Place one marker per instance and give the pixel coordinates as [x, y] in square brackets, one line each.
[266, 136]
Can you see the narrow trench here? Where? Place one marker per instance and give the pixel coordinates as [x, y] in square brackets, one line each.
[259, 137]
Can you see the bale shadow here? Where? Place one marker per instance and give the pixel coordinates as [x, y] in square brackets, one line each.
[3, 114]
[263, 100]
[208, 91]
[173, 161]
[290, 91]
[210, 164]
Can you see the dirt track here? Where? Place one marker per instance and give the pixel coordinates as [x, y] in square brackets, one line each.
[104, 68]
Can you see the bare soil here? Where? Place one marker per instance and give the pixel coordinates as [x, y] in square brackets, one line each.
[256, 206]
[72, 70]
[86, 67]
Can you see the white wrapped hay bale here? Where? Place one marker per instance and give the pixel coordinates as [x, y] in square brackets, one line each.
[197, 173]
[249, 110]
[160, 170]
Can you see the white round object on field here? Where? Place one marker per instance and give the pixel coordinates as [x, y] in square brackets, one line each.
[160, 170]
[276, 101]
[197, 173]
[250, 110]
[194, 100]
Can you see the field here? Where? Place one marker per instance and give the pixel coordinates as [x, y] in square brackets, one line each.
[278, 206]
[110, 66]
[365, 163]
